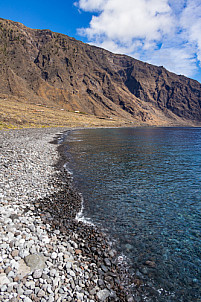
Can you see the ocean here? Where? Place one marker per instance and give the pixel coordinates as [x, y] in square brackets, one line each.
[142, 186]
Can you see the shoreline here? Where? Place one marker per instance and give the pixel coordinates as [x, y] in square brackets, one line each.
[46, 254]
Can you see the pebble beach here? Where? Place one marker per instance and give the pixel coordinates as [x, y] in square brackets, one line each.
[46, 254]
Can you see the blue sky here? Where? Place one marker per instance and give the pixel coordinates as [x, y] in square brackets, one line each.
[161, 32]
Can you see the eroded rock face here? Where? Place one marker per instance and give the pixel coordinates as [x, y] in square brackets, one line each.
[165, 90]
[53, 69]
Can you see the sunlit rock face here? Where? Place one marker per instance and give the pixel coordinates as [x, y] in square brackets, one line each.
[52, 68]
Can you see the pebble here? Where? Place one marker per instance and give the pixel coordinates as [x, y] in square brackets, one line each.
[37, 274]
[41, 293]
[53, 272]
[54, 255]
[39, 260]
[3, 279]
[27, 299]
[4, 288]
[107, 262]
[103, 294]
[15, 253]
[30, 284]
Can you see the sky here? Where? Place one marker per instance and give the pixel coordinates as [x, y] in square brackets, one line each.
[161, 32]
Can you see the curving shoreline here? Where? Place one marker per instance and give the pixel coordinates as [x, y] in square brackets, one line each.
[47, 255]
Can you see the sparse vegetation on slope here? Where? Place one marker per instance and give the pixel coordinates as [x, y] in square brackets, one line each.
[20, 114]
[57, 71]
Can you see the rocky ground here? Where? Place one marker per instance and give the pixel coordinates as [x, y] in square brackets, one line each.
[45, 253]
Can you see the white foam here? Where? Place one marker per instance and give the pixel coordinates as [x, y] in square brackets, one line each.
[67, 169]
[65, 166]
[80, 215]
[84, 219]
[121, 259]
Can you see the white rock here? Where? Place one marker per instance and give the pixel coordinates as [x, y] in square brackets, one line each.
[29, 244]
[103, 294]
[22, 241]
[54, 255]
[33, 250]
[37, 274]
[46, 270]
[60, 255]
[49, 264]
[80, 296]
[68, 265]
[45, 239]
[11, 274]
[10, 236]
[53, 272]
[4, 246]
[23, 269]
[27, 299]
[23, 253]
[3, 279]
[51, 299]
[4, 288]
[30, 284]
[49, 289]
[56, 281]
[14, 264]
[20, 290]
[71, 273]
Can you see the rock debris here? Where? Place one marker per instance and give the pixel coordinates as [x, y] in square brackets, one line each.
[45, 254]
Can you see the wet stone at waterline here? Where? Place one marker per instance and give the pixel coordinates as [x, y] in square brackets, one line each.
[46, 255]
[143, 187]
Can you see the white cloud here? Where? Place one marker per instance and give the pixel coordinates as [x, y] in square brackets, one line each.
[120, 48]
[191, 22]
[91, 5]
[126, 20]
[163, 32]
[178, 60]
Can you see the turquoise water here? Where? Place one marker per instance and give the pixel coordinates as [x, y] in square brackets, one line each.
[144, 187]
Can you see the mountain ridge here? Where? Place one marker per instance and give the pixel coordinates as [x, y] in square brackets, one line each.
[51, 68]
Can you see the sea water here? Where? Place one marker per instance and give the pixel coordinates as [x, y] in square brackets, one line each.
[143, 186]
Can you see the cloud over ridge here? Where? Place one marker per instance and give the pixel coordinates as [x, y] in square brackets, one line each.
[161, 32]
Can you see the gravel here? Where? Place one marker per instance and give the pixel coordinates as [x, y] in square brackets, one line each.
[45, 253]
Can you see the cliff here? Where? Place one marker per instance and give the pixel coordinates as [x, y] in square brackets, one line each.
[51, 68]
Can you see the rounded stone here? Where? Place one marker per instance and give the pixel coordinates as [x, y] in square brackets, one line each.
[103, 294]
[27, 299]
[54, 255]
[37, 274]
[53, 272]
[4, 288]
[35, 261]
[41, 293]
[15, 253]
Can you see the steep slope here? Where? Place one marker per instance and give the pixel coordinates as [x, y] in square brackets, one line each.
[51, 68]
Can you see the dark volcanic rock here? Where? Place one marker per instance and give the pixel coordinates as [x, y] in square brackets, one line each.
[52, 68]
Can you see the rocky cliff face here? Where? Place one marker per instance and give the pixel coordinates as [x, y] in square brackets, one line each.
[52, 68]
